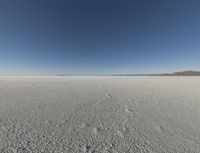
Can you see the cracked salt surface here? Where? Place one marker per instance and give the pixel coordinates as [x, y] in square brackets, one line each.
[100, 114]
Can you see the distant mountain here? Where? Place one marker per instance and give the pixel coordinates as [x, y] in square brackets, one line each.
[184, 73]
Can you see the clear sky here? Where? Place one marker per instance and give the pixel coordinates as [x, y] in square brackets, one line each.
[44, 37]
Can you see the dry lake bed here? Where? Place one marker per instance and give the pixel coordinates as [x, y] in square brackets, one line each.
[100, 114]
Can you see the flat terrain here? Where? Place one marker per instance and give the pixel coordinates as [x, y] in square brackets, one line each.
[104, 114]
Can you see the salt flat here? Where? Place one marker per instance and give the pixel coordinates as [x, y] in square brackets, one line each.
[100, 114]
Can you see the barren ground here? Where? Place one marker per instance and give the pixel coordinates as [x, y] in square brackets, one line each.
[101, 114]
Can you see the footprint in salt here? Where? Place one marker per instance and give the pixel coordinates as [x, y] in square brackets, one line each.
[135, 103]
[131, 111]
[96, 130]
[125, 130]
[120, 134]
[85, 125]
[128, 109]
[159, 128]
[108, 96]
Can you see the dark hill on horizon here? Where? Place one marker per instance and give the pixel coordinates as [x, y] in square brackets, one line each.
[181, 73]
[184, 73]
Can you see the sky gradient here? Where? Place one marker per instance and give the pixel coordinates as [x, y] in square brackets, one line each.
[47, 37]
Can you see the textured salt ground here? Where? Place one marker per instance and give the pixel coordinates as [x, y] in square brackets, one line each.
[100, 114]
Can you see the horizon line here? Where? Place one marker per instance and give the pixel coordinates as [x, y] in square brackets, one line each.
[113, 74]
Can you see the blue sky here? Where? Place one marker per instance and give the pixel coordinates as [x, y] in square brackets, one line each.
[46, 37]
